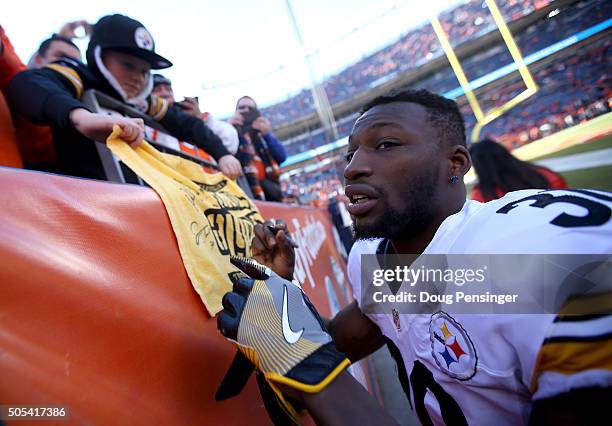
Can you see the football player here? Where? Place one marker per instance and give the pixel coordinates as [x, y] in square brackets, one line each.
[406, 161]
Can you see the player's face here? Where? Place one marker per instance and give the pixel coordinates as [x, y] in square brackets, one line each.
[131, 72]
[393, 171]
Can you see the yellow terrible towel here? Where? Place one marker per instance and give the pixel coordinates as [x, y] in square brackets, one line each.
[211, 216]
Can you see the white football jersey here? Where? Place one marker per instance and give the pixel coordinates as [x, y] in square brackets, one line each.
[480, 369]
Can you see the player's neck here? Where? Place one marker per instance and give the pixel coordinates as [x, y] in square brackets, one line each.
[414, 245]
[417, 244]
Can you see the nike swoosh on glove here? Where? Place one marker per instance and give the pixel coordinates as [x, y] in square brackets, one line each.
[276, 327]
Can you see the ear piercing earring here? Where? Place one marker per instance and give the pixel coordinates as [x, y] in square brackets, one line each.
[454, 179]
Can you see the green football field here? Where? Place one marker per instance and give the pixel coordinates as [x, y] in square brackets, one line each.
[595, 178]
[602, 143]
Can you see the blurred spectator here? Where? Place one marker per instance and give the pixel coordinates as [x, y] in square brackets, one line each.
[342, 221]
[120, 54]
[500, 172]
[260, 152]
[10, 64]
[35, 142]
[53, 49]
[162, 87]
[60, 45]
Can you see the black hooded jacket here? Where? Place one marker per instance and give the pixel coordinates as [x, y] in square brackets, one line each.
[48, 95]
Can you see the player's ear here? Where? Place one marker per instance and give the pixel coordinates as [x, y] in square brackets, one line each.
[459, 160]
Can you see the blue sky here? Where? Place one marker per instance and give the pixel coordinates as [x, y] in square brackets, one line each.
[222, 50]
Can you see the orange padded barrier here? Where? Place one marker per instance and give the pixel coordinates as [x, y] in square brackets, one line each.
[97, 313]
[9, 153]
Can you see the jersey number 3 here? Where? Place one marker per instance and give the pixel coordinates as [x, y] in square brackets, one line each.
[597, 213]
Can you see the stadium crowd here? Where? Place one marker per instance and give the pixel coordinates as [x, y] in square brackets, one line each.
[463, 24]
[573, 89]
[537, 36]
[315, 187]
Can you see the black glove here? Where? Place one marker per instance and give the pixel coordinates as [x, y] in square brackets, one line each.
[276, 327]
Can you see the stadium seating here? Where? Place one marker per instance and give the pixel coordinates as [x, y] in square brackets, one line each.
[571, 90]
[576, 87]
[539, 35]
[463, 24]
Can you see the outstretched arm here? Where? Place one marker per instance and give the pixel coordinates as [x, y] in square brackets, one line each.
[344, 402]
[192, 129]
[354, 333]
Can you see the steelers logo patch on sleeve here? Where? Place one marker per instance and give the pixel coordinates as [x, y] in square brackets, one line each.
[452, 347]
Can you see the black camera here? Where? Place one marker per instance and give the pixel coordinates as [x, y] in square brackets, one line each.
[248, 117]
